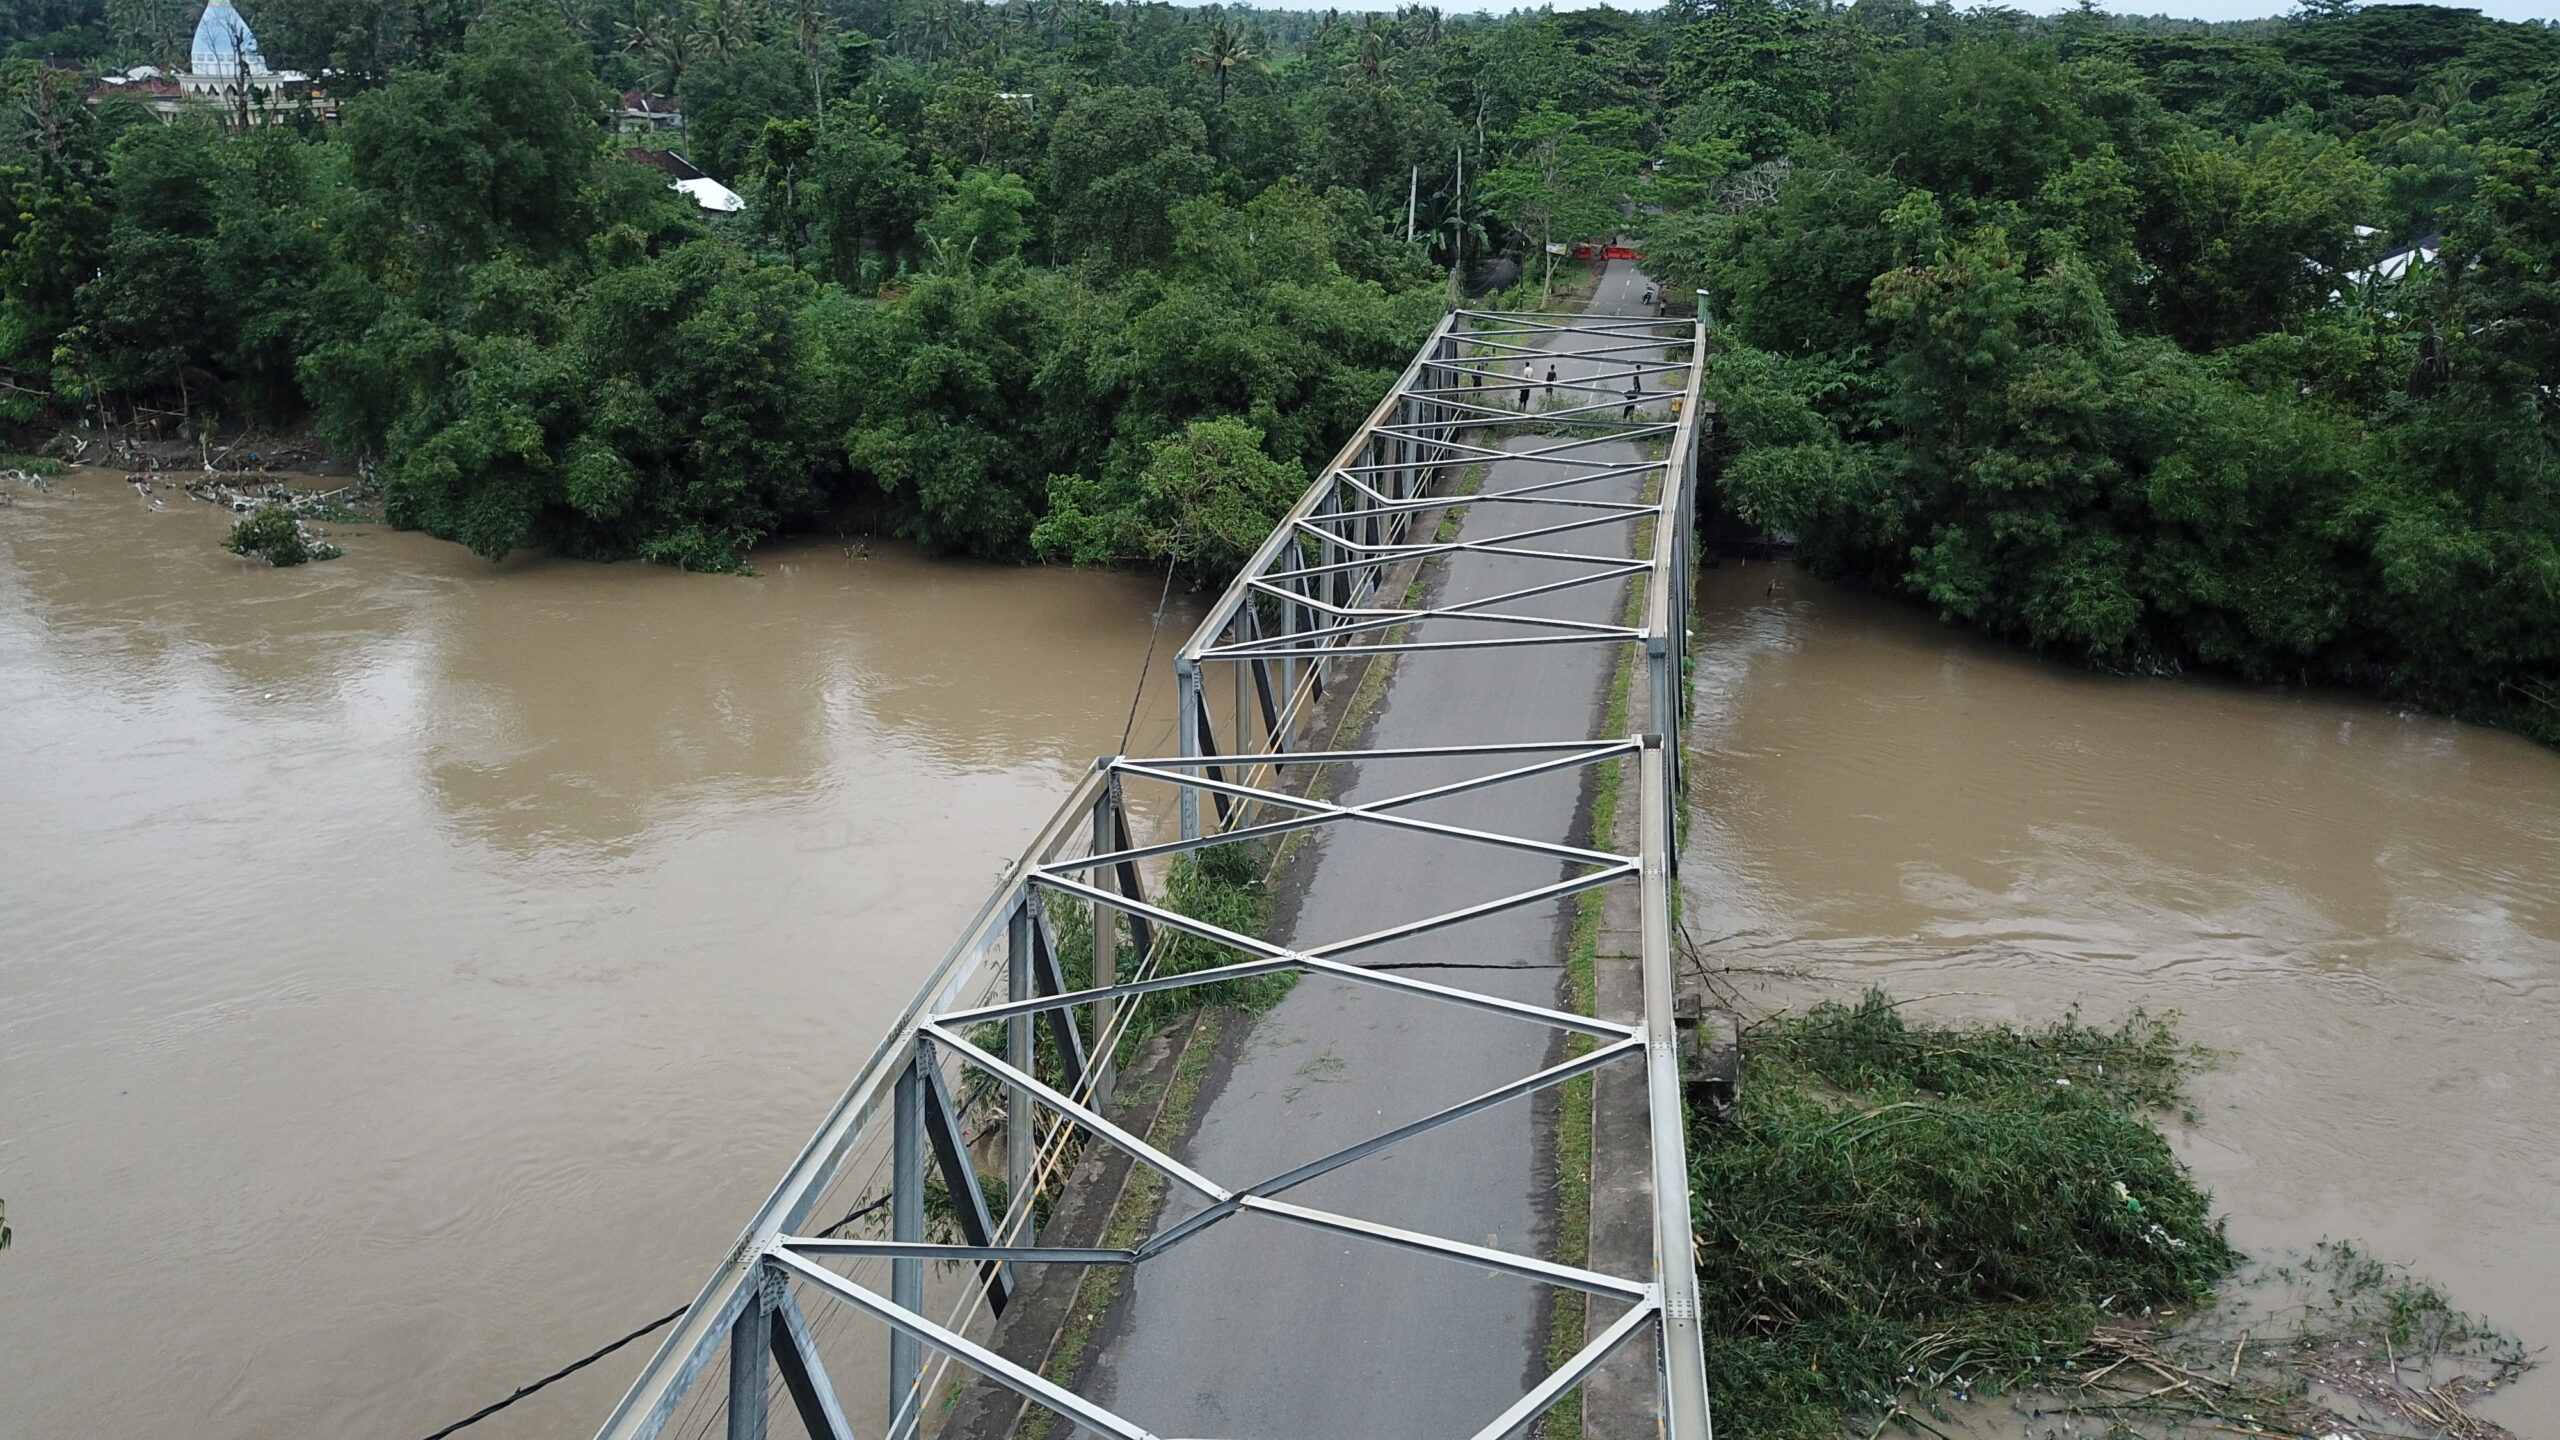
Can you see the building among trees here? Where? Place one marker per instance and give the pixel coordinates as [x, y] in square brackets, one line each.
[226, 70]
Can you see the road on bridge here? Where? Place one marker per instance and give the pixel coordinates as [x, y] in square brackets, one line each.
[1387, 1344]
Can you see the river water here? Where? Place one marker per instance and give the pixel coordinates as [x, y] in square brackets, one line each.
[2360, 909]
[413, 972]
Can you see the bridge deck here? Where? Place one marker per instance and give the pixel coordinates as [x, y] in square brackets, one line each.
[1356, 1242]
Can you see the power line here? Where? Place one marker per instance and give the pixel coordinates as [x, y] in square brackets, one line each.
[562, 1373]
[662, 1322]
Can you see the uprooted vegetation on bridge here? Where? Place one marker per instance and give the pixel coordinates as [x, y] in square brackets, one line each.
[1899, 1214]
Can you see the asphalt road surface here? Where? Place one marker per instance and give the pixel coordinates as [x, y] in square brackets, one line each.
[1258, 1329]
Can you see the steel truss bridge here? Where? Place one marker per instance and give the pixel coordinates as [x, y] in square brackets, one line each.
[847, 1329]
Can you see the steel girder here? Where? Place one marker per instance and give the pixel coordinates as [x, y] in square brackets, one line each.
[1309, 600]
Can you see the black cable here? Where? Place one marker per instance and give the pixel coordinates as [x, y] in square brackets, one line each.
[660, 1323]
[563, 1373]
[1157, 629]
[856, 1213]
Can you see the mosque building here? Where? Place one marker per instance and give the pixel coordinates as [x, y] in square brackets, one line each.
[226, 72]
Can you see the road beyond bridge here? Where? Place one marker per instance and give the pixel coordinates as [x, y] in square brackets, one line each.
[1354, 1242]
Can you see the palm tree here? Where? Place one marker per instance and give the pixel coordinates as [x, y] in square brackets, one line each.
[807, 20]
[1221, 54]
[727, 27]
[1373, 59]
[661, 41]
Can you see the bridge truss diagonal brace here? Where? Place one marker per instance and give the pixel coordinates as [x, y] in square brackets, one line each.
[977, 1357]
[1309, 581]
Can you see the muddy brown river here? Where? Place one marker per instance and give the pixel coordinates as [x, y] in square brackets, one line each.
[2360, 909]
[412, 972]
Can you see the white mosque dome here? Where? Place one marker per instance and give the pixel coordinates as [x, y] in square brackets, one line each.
[224, 44]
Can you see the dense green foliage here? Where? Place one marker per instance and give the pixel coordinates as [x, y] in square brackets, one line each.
[969, 275]
[1894, 1206]
[2075, 336]
[2068, 327]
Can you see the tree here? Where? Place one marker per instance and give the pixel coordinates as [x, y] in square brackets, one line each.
[1558, 181]
[664, 40]
[781, 152]
[986, 218]
[495, 146]
[727, 104]
[54, 224]
[871, 196]
[1119, 161]
[1204, 503]
[1222, 54]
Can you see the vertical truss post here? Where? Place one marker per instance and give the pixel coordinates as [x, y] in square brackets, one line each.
[1662, 673]
[1284, 604]
[1288, 665]
[1241, 733]
[1661, 663]
[1106, 955]
[1684, 1350]
[750, 1354]
[1337, 582]
[1187, 702]
[906, 1222]
[1019, 1135]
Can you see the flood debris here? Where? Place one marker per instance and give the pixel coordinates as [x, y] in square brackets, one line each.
[278, 520]
[1895, 1214]
[26, 478]
[1898, 1216]
[275, 534]
[2337, 1345]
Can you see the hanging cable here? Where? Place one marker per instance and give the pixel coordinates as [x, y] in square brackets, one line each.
[1153, 631]
[662, 1322]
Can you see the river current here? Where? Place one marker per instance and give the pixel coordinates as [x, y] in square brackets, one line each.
[2358, 909]
[413, 971]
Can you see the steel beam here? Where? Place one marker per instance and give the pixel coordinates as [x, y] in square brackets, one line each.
[1310, 597]
[1684, 1347]
[917, 1330]
[960, 1175]
[1106, 947]
[804, 1375]
[906, 1222]
[750, 1348]
[1021, 1137]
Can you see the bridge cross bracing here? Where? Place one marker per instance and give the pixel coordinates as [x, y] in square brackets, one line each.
[861, 1327]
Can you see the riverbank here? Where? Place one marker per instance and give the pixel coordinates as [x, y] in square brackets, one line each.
[2357, 909]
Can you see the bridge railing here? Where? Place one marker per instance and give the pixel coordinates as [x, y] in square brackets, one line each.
[1012, 1035]
[1311, 595]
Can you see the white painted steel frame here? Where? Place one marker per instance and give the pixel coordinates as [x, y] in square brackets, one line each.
[1353, 519]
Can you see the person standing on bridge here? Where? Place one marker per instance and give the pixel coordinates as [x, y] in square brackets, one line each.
[1528, 375]
[1633, 391]
[1551, 385]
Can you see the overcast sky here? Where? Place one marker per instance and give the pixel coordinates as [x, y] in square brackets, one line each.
[2183, 9]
